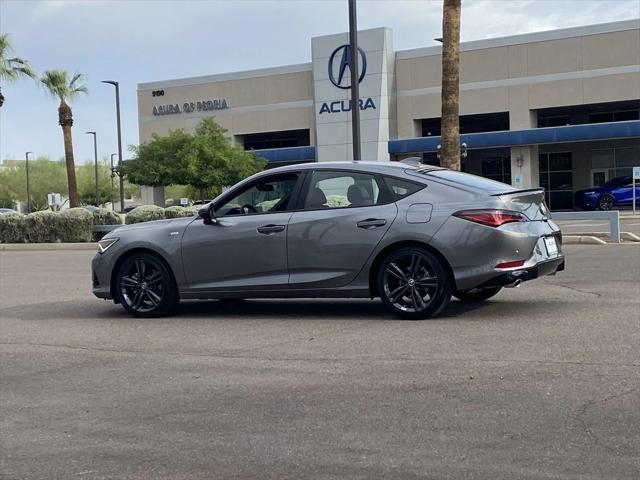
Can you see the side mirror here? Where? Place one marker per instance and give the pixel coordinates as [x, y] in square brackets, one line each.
[208, 214]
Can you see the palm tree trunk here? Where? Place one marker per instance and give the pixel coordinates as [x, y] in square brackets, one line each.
[65, 117]
[450, 126]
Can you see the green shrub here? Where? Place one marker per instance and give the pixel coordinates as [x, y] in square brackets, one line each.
[75, 225]
[177, 212]
[42, 227]
[144, 213]
[105, 216]
[12, 228]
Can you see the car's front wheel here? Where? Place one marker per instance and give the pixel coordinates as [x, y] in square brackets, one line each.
[476, 295]
[606, 202]
[413, 283]
[145, 286]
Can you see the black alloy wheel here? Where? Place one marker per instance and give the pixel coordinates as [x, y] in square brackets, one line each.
[476, 295]
[145, 286]
[605, 202]
[413, 283]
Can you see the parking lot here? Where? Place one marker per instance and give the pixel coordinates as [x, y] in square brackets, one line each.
[541, 382]
[628, 223]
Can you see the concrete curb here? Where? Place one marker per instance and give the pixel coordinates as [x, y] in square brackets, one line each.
[21, 247]
[624, 236]
[582, 239]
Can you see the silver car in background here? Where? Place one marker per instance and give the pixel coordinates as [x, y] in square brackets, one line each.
[413, 235]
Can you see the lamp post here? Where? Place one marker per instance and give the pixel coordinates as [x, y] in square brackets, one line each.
[113, 174]
[355, 77]
[117, 85]
[26, 157]
[95, 155]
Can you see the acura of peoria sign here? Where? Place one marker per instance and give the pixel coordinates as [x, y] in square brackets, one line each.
[189, 107]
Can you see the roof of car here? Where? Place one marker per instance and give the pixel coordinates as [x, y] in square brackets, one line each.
[369, 166]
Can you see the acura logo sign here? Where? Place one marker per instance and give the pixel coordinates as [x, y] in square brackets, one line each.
[340, 59]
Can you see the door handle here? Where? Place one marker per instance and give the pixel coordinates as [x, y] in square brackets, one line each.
[370, 223]
[269, 229]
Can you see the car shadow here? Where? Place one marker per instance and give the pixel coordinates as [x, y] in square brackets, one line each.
[311, 309]
[298, 309]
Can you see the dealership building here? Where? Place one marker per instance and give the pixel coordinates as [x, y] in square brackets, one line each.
[558, 109]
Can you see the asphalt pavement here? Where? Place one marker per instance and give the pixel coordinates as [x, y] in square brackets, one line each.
[542, 382]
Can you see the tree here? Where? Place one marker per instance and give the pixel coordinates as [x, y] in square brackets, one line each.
[86, 177]
[45, 176]
[450, 126]
[206, 160]
[65, 87]
[159, 162]
[213, 161]
[11, 68]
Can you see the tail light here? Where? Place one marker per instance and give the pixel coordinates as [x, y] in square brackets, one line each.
[490, 217]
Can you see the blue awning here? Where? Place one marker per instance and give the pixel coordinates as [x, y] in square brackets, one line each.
[290, 154]
[534, 136]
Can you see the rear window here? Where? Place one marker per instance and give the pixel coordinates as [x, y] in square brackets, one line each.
[473, 181]
[401, 188]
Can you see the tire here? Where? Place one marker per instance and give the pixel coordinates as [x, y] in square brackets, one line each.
[413, 283]
[606, 202]
[155, 296]
[473, 295]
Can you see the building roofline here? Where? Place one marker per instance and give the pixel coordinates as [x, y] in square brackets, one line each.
[532, 37]
[222, 77]
[561, 33]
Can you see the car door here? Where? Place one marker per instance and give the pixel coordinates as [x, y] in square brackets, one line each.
[623, 194]
[343, 216]
[245, 248]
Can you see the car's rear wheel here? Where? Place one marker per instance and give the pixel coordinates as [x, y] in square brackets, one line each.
[606, 202]
[413, 283]
[476, 295]
[145, 286]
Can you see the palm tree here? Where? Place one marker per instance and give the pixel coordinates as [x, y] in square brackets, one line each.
[11, 68]
[60, 84]
[450, 126]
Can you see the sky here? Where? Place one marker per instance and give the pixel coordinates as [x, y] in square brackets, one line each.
[136, 41]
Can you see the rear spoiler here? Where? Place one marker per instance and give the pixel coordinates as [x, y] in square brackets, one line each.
[515, 192]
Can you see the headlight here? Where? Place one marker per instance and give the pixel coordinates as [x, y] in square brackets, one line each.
[589, 193]
[105, 243]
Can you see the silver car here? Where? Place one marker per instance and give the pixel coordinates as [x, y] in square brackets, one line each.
[413, 235]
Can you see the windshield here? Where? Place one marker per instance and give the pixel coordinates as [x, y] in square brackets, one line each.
[614, 182]
[473, 181]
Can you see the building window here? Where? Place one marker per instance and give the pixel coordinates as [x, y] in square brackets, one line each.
[609, 163]
[556, 177]
[497, 168]
[484, 122]
[282, 139]
[591, 113]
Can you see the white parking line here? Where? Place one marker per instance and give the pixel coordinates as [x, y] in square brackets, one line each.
[583, 225]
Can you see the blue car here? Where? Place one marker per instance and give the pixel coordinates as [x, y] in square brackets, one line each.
[615, 193]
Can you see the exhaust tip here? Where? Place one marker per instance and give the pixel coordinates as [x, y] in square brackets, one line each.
[515, 284]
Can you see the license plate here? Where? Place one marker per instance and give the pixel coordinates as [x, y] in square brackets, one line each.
[551, 246]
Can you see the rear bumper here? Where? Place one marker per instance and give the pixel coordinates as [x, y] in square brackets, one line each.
[549, 267]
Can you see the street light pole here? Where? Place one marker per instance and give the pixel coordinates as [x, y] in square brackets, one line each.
[117, 85]
[95, 155]
[26, 157]
[113, 174]
[355, 78]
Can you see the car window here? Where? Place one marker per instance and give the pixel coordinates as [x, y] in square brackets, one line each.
[269, 195]
[401, 188]
[341, 189]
